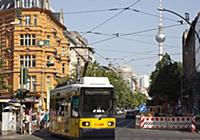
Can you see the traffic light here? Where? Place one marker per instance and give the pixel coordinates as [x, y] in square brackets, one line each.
[24, 75]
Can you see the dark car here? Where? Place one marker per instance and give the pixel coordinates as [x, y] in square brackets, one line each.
[131, 114]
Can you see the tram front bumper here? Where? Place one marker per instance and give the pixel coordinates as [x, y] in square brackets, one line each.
[86, 132]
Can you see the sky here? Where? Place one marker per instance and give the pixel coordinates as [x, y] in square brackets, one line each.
[127, 36]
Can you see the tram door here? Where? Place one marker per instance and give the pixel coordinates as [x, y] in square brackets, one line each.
[74, 120]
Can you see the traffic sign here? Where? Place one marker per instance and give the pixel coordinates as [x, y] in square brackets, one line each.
[142, 108]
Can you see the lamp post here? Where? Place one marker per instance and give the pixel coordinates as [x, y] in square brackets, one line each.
[184, 18]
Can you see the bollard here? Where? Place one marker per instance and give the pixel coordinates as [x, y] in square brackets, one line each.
[142, 121]
[137, 121]
[193, 127]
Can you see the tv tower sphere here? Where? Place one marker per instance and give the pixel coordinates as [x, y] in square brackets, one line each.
[160, 37]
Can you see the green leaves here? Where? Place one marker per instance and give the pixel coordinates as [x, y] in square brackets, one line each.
[166, 80]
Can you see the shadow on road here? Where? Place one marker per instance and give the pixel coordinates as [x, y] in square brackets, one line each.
[42, 134]
[45, 135]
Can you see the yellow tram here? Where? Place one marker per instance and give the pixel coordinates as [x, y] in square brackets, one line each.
[83, 109]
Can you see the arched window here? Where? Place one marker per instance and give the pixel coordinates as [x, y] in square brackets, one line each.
[27, 3]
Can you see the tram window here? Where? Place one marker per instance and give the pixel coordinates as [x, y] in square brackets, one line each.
[97, 101]
[67, 106]
[60, 107]
[75, 106]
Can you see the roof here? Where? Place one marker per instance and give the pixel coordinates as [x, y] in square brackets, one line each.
[6, 4]
[57, 15]
[92, 82]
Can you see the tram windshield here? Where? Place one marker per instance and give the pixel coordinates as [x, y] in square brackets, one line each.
[97, 102]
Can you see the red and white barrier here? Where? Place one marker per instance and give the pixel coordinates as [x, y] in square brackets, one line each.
[142, 121]
[168, 122]
[193, 126]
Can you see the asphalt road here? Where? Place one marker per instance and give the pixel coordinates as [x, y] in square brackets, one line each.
[125, 131]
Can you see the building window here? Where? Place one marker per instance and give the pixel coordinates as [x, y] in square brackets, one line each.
[33, 40]
[21, 40]
[28, 60]
[63, 68]
[35, 20]
[21, 60]
[18, 4]
[33, 61]
[27, 3]
[33, 83]
[28, 20]
[34, 3]
[27, 40]
[63, 51]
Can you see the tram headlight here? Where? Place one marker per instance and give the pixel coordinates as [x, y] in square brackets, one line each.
[110, 123]
[85, 123]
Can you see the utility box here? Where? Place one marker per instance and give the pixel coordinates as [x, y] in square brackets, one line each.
[137, 121]
[8, 121]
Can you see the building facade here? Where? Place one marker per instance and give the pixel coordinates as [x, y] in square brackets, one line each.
[79, 52]
[191, 67]
[38, 43]
[128, 75]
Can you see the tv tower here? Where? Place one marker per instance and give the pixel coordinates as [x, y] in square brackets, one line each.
[160, 37]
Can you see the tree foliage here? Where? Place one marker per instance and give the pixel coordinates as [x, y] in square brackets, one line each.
[139, 98]
[124, 96]
[123, 93]
[166, 80]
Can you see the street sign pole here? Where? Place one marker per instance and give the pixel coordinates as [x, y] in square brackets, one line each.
[21, 107]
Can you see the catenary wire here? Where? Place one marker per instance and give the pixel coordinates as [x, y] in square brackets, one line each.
[99, 25]
[133, 33]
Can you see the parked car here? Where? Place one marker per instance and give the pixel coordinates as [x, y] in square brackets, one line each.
[131, 114]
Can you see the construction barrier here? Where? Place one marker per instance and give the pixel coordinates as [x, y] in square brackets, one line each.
[168, 122]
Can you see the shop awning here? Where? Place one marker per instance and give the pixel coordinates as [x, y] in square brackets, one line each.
[4, 100]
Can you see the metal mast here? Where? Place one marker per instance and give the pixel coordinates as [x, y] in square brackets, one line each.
[160, 37]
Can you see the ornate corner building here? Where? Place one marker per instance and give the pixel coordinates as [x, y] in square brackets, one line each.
[32, 36]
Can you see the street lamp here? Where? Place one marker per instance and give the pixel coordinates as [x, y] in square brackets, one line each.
[186, 18]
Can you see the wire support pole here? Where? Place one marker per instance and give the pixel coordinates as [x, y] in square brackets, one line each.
[186, 20]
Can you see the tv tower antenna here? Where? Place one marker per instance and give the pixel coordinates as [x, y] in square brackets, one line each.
[160, 37]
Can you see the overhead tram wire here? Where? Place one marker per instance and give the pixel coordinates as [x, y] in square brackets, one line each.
[126, 8]
[149, 14]
[94, 11]
[117, 9]
[132, 59]
[128, 52]
[153, 29]
[144, 35]
[117, 35]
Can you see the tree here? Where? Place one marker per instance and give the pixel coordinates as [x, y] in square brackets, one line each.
[166, 81]
[123, 94]
[139, 98]
[124, 97]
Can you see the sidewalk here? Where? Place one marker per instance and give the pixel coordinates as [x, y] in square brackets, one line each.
[37, 135]
[8, 133]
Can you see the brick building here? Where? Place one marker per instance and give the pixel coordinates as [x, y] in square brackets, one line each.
[32, 36]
